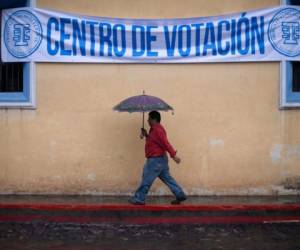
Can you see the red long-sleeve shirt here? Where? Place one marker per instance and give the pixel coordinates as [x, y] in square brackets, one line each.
[157, 142]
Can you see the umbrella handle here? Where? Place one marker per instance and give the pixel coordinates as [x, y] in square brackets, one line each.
[143, 120]
[142, 135]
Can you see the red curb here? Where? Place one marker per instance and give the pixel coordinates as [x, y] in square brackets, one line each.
[121, 207]
[155, 220]
[152, 219]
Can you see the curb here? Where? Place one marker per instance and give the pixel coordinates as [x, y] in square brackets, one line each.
[151, 214]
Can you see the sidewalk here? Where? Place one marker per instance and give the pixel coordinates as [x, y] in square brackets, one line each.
[108, 209]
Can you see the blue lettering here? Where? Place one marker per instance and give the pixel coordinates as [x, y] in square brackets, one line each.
[92, 37]
[187, 51]
[233, 34]
[150, 39]
[80, 35]
[197, 38]
[170, 43]
[52, 51]
[105, 38]
[135, 50]
[243, 21]
[118, 52]
[223, 50]
[64, 36]
[258, 33]
[209, 39]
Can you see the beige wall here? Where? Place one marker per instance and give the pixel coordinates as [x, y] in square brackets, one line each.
[227, 127]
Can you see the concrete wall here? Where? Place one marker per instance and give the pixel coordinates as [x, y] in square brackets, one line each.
[227, 127]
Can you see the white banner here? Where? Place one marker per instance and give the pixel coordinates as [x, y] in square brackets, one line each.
[31, 34]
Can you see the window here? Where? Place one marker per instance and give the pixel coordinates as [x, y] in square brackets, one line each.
[11, 77]
[17, 80]
[296, 77]
[290, 77]
[293, 2]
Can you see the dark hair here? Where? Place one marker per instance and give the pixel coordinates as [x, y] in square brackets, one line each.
[155, 115]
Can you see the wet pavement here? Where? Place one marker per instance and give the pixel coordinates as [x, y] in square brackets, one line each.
[37, 227]
[70, 236]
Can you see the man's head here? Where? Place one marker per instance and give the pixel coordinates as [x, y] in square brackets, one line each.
[154, 117]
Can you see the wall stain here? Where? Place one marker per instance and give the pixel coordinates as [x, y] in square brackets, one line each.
[281, 153]
[292, 182]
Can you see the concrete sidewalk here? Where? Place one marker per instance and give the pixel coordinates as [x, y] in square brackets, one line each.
[151, 200]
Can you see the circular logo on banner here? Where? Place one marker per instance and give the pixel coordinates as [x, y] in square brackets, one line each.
[22, 33]
[284, 32]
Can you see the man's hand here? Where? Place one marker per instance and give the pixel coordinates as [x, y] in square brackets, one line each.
[177, 159]
[143, 133]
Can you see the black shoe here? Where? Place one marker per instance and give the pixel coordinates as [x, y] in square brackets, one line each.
[134, 202]
[178, 201]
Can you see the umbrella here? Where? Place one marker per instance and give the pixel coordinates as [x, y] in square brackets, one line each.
[142, 103]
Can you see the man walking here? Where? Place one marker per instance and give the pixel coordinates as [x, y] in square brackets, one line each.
[156, 164]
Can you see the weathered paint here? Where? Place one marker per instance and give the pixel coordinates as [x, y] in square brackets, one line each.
[276, 153]
[216, 142]
[227, 127]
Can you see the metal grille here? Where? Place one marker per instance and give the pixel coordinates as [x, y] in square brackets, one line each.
[294, 2]
[11, 77]
[296, 77]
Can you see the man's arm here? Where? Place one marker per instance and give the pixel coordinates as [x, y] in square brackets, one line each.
[164, 142]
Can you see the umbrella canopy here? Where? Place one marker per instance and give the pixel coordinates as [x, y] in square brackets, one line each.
[142, 103]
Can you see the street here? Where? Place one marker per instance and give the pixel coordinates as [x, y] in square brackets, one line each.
[71, 236]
